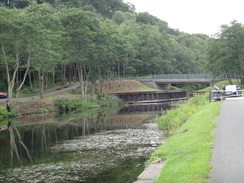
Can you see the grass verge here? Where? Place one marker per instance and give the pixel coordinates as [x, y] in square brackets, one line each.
[189, 151]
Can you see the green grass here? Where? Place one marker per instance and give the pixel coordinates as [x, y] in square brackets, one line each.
[174, 118]
[188, 154]
[142, 88]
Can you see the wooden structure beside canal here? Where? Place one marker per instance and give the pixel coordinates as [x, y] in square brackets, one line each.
[152, 96]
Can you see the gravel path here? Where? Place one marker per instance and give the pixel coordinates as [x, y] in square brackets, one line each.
[228, 151]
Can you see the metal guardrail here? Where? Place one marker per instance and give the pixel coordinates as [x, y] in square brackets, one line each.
[186, 76]
[175, 76]
[219, 95]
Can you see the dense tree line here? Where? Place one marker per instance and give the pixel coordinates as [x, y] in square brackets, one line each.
[50, 41]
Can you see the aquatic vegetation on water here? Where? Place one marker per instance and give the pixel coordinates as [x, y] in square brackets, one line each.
[87, 157]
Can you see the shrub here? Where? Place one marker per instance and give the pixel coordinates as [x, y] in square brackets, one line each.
[3, 112]
[13, 113]
[174, 118]
[62, 105]
[27, 90]
[65, 105]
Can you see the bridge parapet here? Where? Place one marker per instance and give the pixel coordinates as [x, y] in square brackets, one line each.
[185, 76]
[164, 81]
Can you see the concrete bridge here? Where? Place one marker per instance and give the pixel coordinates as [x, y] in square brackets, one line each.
[164, 81]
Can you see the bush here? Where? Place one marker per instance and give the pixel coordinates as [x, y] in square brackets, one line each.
[62, 105]
[65, 105]
[3, 112]
[174, 118]
[13, 113]
[27, 90]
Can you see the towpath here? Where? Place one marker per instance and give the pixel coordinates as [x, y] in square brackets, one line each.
[228, 150]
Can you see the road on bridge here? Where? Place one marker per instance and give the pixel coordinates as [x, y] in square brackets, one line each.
[228, 150]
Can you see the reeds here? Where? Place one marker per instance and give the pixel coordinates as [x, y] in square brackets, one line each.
[175, 117]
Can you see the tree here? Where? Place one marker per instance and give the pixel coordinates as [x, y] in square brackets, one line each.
[44, 40]
[118, 17]
[228, 50]
[108, 7]
[189, 53]
[12, 40]
[219, 59]
[79, 37]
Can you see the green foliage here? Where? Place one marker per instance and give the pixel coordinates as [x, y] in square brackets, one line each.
[226, 54]
[101, 96]
[174, 118]
[3, 112]
[47, 110]
[71, 39]
[188, 153]
[27, 90]
[3, 86]
[111, 102]
[13, 113]
[65, 105]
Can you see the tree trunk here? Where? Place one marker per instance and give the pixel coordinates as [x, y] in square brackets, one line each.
[70, 69]
[30, 82]
[64, 74]
[74, 72]
[24, 78]
[81, 80]
[11, 81]
[41, 82]
[53, 78]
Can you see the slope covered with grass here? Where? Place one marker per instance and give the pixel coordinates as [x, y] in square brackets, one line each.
[188, 152]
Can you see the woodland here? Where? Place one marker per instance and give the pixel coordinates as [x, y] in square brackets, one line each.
[48, 42]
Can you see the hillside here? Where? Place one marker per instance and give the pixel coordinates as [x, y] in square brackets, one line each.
[120, 86]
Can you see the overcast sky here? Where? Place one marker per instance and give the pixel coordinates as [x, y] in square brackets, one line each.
[193, 16]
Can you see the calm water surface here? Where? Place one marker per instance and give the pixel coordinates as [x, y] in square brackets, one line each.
[100, 148]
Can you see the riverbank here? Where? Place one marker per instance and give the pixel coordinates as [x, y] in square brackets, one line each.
[187, 153]
[35, 105]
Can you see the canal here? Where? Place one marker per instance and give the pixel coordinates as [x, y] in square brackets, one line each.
[105, 147]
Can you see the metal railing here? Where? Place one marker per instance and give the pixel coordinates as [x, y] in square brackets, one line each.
[186, 76]
[175, 76]
[217, 95]
[182, 76]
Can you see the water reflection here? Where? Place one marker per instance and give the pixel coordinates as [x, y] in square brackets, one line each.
[78, 148]
[146, 107]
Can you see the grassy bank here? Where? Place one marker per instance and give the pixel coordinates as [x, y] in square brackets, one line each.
[176, 117]
[188, 152]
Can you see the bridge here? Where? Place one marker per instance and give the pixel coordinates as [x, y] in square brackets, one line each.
[164, 81]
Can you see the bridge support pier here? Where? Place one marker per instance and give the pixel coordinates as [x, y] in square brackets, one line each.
[152, 84]
[164, 86]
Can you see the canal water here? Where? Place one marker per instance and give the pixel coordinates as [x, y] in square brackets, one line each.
[106, 147]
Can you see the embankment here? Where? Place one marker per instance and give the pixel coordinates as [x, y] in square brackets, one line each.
[188, 152]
